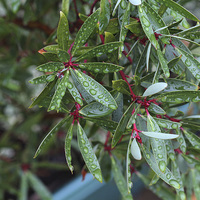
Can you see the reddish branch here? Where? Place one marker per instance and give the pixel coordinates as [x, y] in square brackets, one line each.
[106, 146]
[93, 5]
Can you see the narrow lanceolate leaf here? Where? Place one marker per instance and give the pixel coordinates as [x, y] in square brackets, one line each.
[104, 123]
[43, 79]
[167, 123]
[51, 134]
[63, 56]
[135, 2]
[85, 31]
[39, 187]
[121, 86]
[133, 117]
[88, 154]
[51, 67]
[59, 93]
[128, 162]
[95, 109]
[177, 175]
[170, 150]
[193, 139]
[158, 145]
[123, 30]
[181, 140]
[191, 63]
[177, 97]
[100, 67]
[166, 176]
[100, 50]
[163, 63]
[146, 25]
[104, 16]
[120, 181]
[46, 91]
[156, 109]
[135, 150]
[68, 140]
[155, 88]
[178, 8]
[86, 96]
[157, 22]
[23, 194]
[148, 56]
[195, 184]
[75, 93]
[63, 32]
[96, 90]
[122, 125]
[158, 135]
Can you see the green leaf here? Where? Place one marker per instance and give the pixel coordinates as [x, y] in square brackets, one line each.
[147, 26]
[51, 67]
[85, 31]
[43, 79]
[193, 139]
[121, 86]
[177, 97]
[195, 184]
[88, 154]
[15, 5]
[163, 136]
[119, 180]
[63, 55]
[100, 50]
[135, 27]
[133, 117]
[59, 93]
[166, 176]
[170, 150]
[23, 194]
[104, 123]
[43, 94]
[68, 140]
[163, 63]
[155, 88]
[104, 16]
[156, 109]
[39, 187]
[167, 123]
[128, 172]
[181, 140]
[99, 67]
[63, 32]
[178, 8]
[51, 134]
[122, 125]
[158, 145]
[157, 23]
[135, 150]
[191, 63]
[65, 7]
[96, 90]
[113, 26]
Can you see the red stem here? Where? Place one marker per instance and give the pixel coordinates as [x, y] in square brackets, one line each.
[93, 5]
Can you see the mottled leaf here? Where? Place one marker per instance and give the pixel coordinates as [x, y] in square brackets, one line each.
[193, 139]
[167, 123]
[121, 86]
[181, 140]
[170, 150]
[43, 79]
[51, 67]
[156, 109]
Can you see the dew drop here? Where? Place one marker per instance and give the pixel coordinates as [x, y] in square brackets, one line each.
[90, 159]
[159, 147]
[74, 93]
[112, 106]
[58, 101]
[160, 156]
[182, 195]
[93, 166]
[83, 141]
[85, 83]
[106, 99]
[187, 62]
[100, 96]
[162, 166]
[92, 83]
[85, 149]
[69, 85]
[79, 100]
[174, 184]
[145, 21]
[148, 156]
[168, 176]
[96, 70]
[174, 126]
[92, 91]
[52, 107]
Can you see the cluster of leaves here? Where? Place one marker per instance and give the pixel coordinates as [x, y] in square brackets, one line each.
[128, 70]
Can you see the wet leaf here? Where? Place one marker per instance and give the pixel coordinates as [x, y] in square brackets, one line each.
[121, 86]
[59, 93]
[50, 135]
[63, 55]
[23, 194]
[99, 67]
[88, 154]
[133, 117]
[122, 125]
[163, 136]
[100, 50]
[38, 186]
[119, 180]
[85, 31]
[51, 67]
[44, 93]
[96, 90]
[135, 150]
[170, 150]
[167, 123]
[155, 88]
[181, 140]
[104, 15]
[68, 140]
[43, 79]
[63, 32]
[156, 109]
[177, 97]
